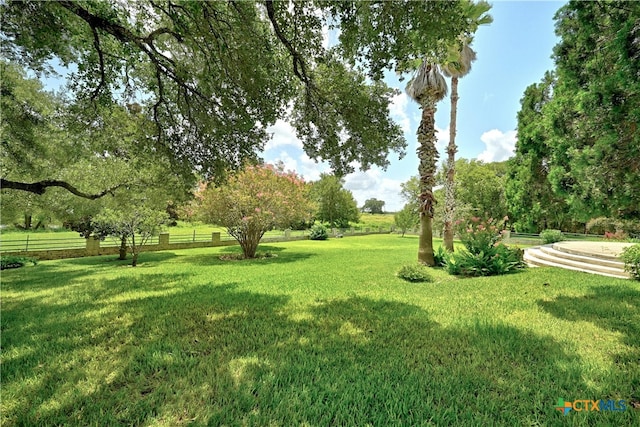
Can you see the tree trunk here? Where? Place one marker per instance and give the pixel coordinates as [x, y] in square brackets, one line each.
[122, 252]
[249, 243]
[134, 251]
[449, 187]
[428, 156]
[27, 222]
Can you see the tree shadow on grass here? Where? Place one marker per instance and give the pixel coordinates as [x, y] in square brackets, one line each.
[613, 308]
[282, 256]
[209, 354]
[145, 259]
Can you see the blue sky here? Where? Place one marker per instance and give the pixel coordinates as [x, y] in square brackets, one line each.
[513, 52]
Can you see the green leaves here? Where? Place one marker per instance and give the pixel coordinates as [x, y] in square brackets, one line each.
[335, 204]
[254, 201]
[577, 130]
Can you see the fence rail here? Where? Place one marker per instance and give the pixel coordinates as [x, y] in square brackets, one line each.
[30, 243]
[48, 248]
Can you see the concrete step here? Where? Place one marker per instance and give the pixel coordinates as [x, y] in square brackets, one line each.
[545, 256]
[562, 252]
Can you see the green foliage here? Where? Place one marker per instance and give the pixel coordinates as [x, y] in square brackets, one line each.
[578, 142]
[614, 226]
[530, 197]
[494, 260]
[254, 201]
[414, 273]
[551, 236]
[15, 261]
[478, 235]
[406, 219]
[318, 232]
[441, 256]
[336, 205]
[484, 254]
[373, 206]
[135, 226]
[631, 258]
[224, 72]
[149, 346]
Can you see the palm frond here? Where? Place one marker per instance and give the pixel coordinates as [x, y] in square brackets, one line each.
[427, 82]
[458, 64]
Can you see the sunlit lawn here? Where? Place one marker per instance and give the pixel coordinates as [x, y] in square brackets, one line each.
[323, 334]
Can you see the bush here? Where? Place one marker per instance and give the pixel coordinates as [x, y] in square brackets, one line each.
[618, 235]
[414, 273]
[631, 258]
[318, 232]
[551, 236]
[441, 256]
[484, 254]
[12, 261]
[499, 259]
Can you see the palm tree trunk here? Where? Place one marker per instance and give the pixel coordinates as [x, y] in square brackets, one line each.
[449, 187]
[428, 156]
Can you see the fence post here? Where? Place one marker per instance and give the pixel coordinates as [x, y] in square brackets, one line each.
[93, 245]
[26, 249]
[215, 238]
[163, 240]
[287, 233]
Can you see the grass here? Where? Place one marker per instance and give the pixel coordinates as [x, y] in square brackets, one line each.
[322, 334]
[376, 220]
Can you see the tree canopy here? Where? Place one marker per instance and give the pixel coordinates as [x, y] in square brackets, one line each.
[254, 201]
[578, 144]
[212, 76]
[335, 204]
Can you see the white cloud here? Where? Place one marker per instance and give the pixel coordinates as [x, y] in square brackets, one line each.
[442, 141]
[498, 146]
[310, 169]
[398, 111]
[282, 134]
[372, 184]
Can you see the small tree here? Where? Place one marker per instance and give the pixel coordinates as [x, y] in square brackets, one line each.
[373, 206]
[407, 218]
[254, 201]
[336, 204]
[135, 226]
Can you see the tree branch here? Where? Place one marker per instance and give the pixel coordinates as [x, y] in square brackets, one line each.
[41, 186]
[96, 44]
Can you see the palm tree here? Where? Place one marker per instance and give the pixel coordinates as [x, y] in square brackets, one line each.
[458, 64]
[427, 87]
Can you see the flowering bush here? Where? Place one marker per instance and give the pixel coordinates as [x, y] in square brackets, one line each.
[478, 235]
[254, 201]
[618, 235]
[485, 255]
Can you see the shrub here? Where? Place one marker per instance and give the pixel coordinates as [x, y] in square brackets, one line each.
[318, 232]
[631, 258]
[499, 259]
[12, 261]
[551, 236]
[484, 254]
[618, 235]
[441, 256]
[414, 273]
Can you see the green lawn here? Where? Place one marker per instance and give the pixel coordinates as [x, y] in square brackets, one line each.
[323, 334]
